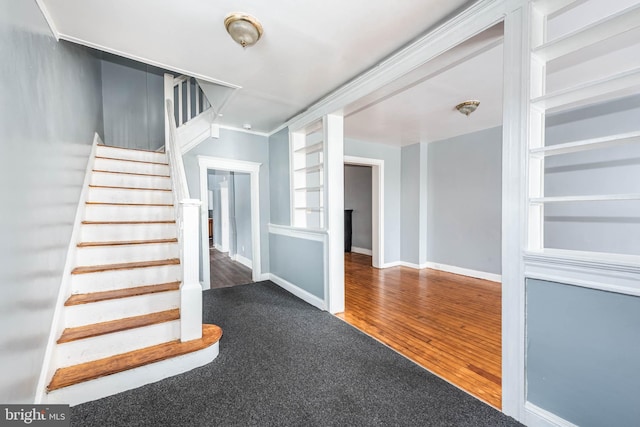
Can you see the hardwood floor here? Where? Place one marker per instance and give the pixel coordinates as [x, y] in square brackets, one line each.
[225, 272]
[449, 324]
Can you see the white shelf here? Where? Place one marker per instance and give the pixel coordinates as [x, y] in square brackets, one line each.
[310, 149]
[587, 144]
[309, 210]
[310, 169]
[550, 7]
[310, 189]
[611, 26]
[617, 86]
[595, 198]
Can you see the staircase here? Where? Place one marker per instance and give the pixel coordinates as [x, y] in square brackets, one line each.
[122, 321]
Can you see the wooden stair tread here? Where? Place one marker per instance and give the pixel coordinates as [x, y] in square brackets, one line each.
[131, 173]
[128, 204]
[115, 187]
[71, 375]
[102, 328]
[126, 242]
[78, 299]
[124, 266]
[131, 149]
[127, 222]
[132, 160]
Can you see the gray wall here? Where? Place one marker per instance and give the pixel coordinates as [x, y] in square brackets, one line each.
[465, 201]
[50, 108]
[357, 196]
[279, 178]
[298, 261]
[242, 210]
[133, 95]
[414, 199]
[391, 156]
[238, 146]
[595, 226]
[582, 354]
[215, 178]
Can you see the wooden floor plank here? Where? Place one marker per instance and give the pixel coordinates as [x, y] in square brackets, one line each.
[78, 299]
[447, 323]
[225, 272]
[71, 375]
[96, 329]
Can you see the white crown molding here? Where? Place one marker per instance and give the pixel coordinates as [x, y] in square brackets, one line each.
[49, 19]
[147, 61]
[237, 129]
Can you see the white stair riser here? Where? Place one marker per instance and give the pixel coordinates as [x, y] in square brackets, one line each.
[114, 232]
[117, 195]
[133, 378]
[130, 167]
[98, 255]
[86, 350]
[120, 153]
[128, 213]
[104, 311]
[120, 279]
[125, 180]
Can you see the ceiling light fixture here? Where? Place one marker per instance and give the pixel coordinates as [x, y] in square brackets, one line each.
[243, 28]
[467, 107]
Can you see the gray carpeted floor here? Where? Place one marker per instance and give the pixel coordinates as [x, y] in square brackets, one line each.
[285, 363]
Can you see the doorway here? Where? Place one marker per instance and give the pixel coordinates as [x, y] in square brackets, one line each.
[241, 216]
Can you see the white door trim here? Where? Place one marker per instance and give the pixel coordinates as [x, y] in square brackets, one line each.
[377, 205]
[253, 169]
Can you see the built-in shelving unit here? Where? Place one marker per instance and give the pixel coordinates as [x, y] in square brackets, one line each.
[307, 164]
[613, 83]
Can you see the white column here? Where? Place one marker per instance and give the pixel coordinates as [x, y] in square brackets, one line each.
[334, 205]
[190, 289]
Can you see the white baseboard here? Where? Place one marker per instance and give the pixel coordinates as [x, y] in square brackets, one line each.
[300, 293]
[218, 247]
[538, 417]
[243, 260]
[362, 251]
[464, 271]
[448, 268]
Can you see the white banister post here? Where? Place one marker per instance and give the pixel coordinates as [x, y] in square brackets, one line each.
[190, 290]
[168, 94]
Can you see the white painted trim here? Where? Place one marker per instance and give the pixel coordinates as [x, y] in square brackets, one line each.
[57, 324]
[250, 132]
[243, 260]
[49, 19]
[391, 264]
[465, 271]
[594, 273]
[300, 293]
[413, 265]
[538, 417]
[362, 251]
[298, 232]
[231, 165]
[475, 19]
[377, 205]
[218, 247]
[147, 61]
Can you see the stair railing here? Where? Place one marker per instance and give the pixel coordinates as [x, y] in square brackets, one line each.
[187, 219]
[188, 99]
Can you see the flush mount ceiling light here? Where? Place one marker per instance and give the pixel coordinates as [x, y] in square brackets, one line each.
[243, 28]
[467, 107]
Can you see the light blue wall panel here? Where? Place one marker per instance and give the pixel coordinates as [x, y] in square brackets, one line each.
[279, 178]
[50, 107]
[298, 261]
[583, 350]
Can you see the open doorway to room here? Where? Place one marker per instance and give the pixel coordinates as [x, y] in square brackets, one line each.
[436, 296]
[229, 228]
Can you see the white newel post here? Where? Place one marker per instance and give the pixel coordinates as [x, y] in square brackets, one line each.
[190, 290]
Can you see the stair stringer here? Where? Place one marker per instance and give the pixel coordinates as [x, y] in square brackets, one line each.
[49, 364]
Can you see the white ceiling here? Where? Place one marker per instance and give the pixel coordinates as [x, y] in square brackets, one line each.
[308, 48]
